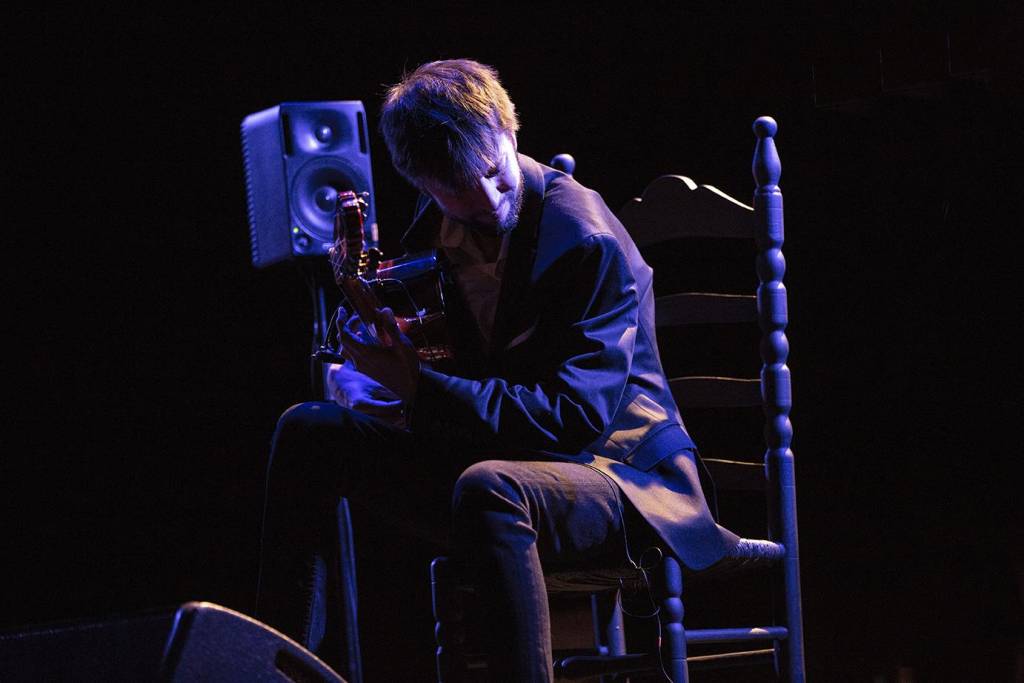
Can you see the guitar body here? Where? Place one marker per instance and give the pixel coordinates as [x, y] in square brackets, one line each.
[418, 288]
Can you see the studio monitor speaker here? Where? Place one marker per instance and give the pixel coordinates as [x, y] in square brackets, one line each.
[198, 642]
[297, 156]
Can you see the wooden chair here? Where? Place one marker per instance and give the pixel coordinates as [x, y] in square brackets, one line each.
[673, 212]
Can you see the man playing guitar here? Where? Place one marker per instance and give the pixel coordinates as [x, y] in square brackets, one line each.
[554, 440]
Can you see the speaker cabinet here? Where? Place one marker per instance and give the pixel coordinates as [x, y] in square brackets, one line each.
[210, 642]
[297, 156]
[199, 642]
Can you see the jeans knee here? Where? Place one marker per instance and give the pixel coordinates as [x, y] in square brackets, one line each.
[486, 485]
[306, 421]
[310, 439]
[297, 419]
[491, 513]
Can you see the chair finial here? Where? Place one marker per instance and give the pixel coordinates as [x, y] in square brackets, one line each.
[564, 163]
[767, 168]
[765, 127]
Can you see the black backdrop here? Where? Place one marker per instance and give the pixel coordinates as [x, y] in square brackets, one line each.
[148, 361]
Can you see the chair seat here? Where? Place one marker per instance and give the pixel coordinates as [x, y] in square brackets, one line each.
[748, 554]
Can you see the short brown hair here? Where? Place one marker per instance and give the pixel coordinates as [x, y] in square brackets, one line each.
[440, 122]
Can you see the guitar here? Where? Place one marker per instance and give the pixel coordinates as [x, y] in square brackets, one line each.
[415, 287]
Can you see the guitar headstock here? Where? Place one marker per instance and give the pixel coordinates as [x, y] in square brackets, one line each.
[348, 256]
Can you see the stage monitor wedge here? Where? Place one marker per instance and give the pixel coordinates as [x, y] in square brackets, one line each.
[200, 641]
[297, 156]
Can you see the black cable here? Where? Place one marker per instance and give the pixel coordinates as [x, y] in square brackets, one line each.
[641, 569]
[310, 279]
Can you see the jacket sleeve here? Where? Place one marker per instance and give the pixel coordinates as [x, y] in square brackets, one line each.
[573, 400]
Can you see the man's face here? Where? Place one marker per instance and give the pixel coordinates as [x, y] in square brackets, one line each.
[495, 201]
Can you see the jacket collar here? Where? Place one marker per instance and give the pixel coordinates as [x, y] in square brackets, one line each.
[522, 252]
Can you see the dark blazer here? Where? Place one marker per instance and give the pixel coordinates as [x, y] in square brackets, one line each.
[573, 371]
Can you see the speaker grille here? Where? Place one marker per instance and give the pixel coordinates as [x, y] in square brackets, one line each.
[269, 237]
[250, 199]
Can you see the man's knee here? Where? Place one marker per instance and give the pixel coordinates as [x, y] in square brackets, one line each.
[295, 421]
[485, 485]
[303, 416]
[309, 437]
[306, 421]
[492, 512]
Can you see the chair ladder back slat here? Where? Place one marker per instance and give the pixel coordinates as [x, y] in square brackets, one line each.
[716, 392]
[675, 206]
[735, 475]
[701, 308]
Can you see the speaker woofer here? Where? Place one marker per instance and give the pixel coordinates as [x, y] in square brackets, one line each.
[315, 189]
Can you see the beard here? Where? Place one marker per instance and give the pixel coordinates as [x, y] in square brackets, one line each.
[511, 219]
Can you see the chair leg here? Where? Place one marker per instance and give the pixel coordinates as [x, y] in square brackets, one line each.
[668, 592]
[449, 631]
[791, 658]
[609, 629]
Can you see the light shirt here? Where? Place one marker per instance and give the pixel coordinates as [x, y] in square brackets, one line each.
[479, 259]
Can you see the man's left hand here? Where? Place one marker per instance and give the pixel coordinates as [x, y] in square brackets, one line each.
[392, 362]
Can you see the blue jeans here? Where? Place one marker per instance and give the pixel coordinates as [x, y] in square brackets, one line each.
[504, 518]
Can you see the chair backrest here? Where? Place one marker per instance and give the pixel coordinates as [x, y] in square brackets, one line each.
[718, 271]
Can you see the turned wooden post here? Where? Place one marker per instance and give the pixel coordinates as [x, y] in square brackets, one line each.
[773, 317]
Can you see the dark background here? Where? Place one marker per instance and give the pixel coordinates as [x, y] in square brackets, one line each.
[149, 360]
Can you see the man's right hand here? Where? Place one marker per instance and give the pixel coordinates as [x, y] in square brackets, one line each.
[352, 389]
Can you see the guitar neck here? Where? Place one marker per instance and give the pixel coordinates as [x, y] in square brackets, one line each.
[362, 300]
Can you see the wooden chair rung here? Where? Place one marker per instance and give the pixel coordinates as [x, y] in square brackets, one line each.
[735, 635]
[725, 660]
[587, 666]
[576, 667]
